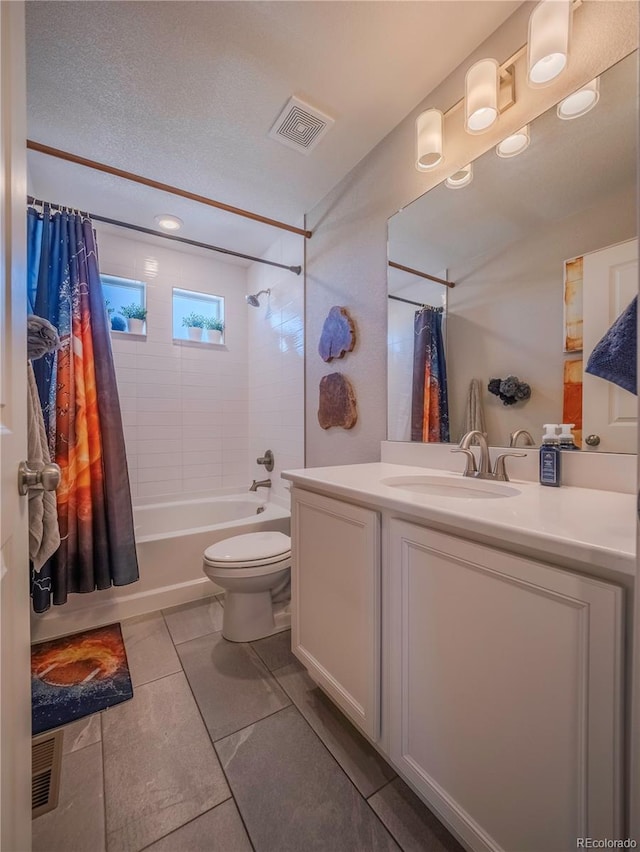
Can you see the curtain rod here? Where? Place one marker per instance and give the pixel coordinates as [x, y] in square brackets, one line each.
[163, 187]
[37, 202]
[411, 302]
[422, 274]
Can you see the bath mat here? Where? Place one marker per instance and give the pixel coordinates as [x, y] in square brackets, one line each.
[78, 675]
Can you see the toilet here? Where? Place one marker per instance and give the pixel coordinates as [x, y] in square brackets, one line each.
[254, 570]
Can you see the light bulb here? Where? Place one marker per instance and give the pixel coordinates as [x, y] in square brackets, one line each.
[580, 102]
[462, 177]
[481, 96]
[429, 140]
[548, 46]
[514, 144]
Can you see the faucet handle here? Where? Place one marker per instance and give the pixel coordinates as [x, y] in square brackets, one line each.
[470, 469]
[499, 469]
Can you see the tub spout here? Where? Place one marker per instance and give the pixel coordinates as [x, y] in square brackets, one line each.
[262, 483]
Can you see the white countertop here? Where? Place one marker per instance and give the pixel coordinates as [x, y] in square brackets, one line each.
[585, 525]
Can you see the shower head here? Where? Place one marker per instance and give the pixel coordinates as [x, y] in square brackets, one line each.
[254, 301]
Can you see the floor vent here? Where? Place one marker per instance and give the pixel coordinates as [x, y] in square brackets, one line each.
[46, 761]
[300, 126]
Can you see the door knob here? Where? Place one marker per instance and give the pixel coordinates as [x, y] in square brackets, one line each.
[592, 440]
[43, 477]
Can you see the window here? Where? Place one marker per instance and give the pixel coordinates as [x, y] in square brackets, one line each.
[120, 293]
[202, 308]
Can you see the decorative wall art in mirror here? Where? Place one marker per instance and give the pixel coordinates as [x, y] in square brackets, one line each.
[509, 240]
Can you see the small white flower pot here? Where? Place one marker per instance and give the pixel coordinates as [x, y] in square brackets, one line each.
[212, 335]
[135, 326]
[194, 333]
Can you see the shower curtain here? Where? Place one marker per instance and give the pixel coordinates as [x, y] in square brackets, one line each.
[78, 393]
[429, 400]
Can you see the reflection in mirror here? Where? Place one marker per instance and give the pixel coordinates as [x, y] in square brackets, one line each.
[525, 232]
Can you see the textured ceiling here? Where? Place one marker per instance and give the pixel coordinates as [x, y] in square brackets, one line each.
[187, 92]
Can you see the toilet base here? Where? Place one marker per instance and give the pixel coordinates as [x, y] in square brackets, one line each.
[251, 616]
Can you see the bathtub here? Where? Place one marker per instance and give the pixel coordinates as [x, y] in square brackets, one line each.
[170, 540]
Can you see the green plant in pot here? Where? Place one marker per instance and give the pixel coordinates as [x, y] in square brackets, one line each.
[194, 323]
[135, 316]
[213, 329]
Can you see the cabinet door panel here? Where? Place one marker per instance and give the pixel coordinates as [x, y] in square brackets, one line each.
[336, 607]
[506, 692]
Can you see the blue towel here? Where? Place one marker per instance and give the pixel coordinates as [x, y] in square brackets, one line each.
[614, 357]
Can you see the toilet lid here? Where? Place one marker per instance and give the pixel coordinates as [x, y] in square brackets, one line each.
[251, 547]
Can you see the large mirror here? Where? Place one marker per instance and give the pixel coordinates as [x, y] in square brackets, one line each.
[542, 249]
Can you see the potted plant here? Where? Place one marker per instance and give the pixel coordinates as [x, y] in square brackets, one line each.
[194, 323]
[136, 316]
[213, 329]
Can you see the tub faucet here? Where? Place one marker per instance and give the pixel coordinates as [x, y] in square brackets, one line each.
[262, 483]
[484, 471]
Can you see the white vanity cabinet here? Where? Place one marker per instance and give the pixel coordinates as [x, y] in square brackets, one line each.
[335, 594]
[505, 691]
[501, 677]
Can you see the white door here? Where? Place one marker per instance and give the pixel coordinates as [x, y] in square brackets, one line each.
[610, 283]
[15, 708]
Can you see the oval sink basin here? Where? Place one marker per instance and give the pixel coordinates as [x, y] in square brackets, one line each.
[446, 486]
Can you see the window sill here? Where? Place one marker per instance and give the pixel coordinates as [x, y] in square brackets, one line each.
[127, 335]
[180, 341]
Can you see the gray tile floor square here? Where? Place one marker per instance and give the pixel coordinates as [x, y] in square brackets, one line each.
[410, 821]
[275, 651]
[219, 830]
[81, 733]
[77, 824]
[150, 651]
[292, 794]
[362, 763]
[230, 682]
[160, 768]
[192, 620]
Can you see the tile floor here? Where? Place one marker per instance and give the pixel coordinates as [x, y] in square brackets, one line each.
[226, 748]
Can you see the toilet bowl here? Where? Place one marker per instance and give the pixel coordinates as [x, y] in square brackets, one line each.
[254, 570]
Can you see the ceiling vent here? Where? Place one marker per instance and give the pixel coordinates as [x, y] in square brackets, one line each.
[300, 126]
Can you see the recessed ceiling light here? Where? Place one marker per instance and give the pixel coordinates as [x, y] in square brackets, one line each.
[168, 222]
[462, 177]
[514, 144]
[580, 102]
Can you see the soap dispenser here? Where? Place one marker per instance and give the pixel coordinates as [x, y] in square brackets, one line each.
[550, 456]
[566, 437]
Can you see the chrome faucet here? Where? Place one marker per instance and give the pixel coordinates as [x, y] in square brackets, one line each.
[262, 483]
[528, 440]
[484, 470]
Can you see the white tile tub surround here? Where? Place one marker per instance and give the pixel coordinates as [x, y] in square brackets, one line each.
[185, 408]
[276, 364]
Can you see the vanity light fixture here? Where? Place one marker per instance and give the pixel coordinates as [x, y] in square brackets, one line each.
[514, 144]
[548, 46]
[168, 222]
[580, 102]
[428, 140]
[462, 177]
[481, 96]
